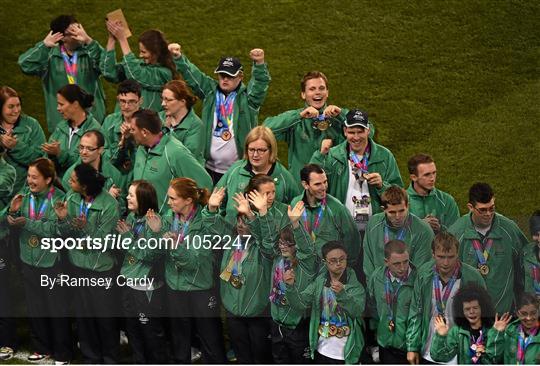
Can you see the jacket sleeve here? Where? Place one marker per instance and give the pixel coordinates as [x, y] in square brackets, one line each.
[367, 247]
[215, 223]
[422, 248]
[300, 300]
[201, 84]
[495, 346]
[444, 348]
[25, 153]
[112, 71]
[371, 304]
[519, 242]
[35, 61]
[451, 215]
[106, 224]
[352, 299]
[194, 141]
[391, 176]
[258, 86]
[150, 77]
[265, 243]
[95, 51]
[351, 237]
[282, 124]
[413, 335]
[185, 165]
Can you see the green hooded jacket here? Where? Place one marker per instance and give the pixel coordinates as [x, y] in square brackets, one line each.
[336, 166]
[188, 131]
[30, 137]
[351, 299]
[505, 259]
[48, 64]
[247, 104]
[437, 203]
[504, 346]
[418, 236]
[457, 343]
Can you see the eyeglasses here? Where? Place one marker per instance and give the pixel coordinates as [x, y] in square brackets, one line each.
[485, 210]
[130, 102]
[89, 149]
[285, 243]
[336, 261]
[167, 100]
[258, 151]
[532, 314]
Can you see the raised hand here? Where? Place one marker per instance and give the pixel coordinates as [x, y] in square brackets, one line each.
[153, 221]
[117, 30]
[77, 32]
[175, 49]
[309, 112]
[257, 55]
[259, 201]
[242, 205]
[216, 198]
[16, 203]
[440, 326]
[326, 144]
[295, 214]
[332, 111]
[115, 191]
[502, 322]
[52, 39]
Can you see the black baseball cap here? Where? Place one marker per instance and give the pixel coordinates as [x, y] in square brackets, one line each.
[229, 65]
[357, 118]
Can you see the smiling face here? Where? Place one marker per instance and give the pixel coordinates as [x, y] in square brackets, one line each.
[88, 149]
[11, 110]
[528, 315]
[131, 199]
[147, 56]
[317, 185]
[74, 183]
[36, 181]
[482, 213]
[315, 93]
[357, 138]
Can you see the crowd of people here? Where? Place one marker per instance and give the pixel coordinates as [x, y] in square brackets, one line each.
[326, 260]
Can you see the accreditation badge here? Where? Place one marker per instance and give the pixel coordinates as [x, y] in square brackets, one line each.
[33, 241]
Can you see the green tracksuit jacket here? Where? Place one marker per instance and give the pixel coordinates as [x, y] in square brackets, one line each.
[101, 220]
[418, 236]
[139, 260]
[303, 140]
[505, 259]
[457, 343]
[151, 77]
[336, 166]
[504, 346]
[8, 175]
[530, 260]
[305, 270]
[69, 153]
[236, 179]
[48, 64]
[437, 203]
[336, 224]
[188, 131]
[352, 300]
[31, 251]
[189, 267]
[247, 104]
[420, 311]
[167, 160]
[400, 308]
[252, 298]
[121, 159]
[30, 136]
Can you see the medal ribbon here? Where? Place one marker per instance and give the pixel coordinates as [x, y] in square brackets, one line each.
[318, 219]
[278, 285]
[329, 309]
[70, 65]
[83, 209]
[536, 278]
[401, 234]
[523, 342]
[389, 294]
[482, 253]
[362, 165]
[475, 343]
[185, 225]
[224, 112]
[440, 303]
[42, 208]
[138, 227]
[237, 258]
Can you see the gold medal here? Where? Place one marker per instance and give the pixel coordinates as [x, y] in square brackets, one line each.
[340, 333]
[131, 260]
[483, 269]
[346, 330]
[283, 301]
[391, 326]
[323, 125]
[33, 241]
[321, 328]
[332, 331]
[236, 282]
[226, 135]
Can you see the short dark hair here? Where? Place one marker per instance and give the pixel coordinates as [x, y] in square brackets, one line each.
[394, 195]
[534, 222]
[480, 193]
[129, 86]
[90, 178]
[525, 299]
[445, 241]
[312, 75]
[331, 245]
[99, 137]
[148, 119]
[74, 93]
[395, 246]
[308, 169]
[146, 196]
[287, 234]
[470, 292]
[416, 160]
[61, 23]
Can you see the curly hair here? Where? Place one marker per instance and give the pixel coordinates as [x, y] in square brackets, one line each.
[468, 293]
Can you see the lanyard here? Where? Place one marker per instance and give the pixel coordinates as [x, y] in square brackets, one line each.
[362, 165]
[238, 257]
[482, 252]
[440, 303]
[318, 219]
[401, 234]
[70, 65]
[138, 227]
[536, 278]
[278, 285]
[42, 208]
[523, 343]
[185, 226]
[224, 111]
[389, 294]
[473, 349]
[84, 207]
